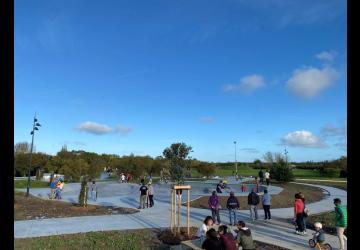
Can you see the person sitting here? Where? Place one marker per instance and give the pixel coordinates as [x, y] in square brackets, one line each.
[319, 235]
[201, 232]
[212, 241]
[227, 239]
[244, 237]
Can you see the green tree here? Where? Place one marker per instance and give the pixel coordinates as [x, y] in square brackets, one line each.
[281, 172]
[205, 168]
[177, 154]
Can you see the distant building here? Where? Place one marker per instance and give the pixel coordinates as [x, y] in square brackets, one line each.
[46, 176]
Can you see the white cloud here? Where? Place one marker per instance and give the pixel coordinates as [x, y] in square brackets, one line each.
[330, 130]
[101, 129]
[309, 82]
[248, 84]
[327, 56]
[302, 138]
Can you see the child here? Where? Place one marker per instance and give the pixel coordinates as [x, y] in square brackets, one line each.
[201, 233]
[93, 189]
[319, 235]
[243, 188]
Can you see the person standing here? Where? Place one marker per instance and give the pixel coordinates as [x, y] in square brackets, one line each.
[93, 191]
[52, 188]
[151, 194]
[214, 205]
[340, 221]
[267, 177]
[232, 204]
[266, 199]
[143, 193]
[261, 176]
[257, 184]
[306, 211]
[253, 201]
[298, 214]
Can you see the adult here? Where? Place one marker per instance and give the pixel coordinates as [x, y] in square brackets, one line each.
[52, 188]
[244, 237]
[267, 177]
[261, 176]
[201, 232]
[299, 214]
[143, 193]
[214, 205]
[306, 211]
[257, 184]
[232, 204]
[93, 191]
[340, 221]
[123, 178]
[219, 187]
[266, 201]
[151, 194]
[212, 241]
[226, 238]
[253, 201]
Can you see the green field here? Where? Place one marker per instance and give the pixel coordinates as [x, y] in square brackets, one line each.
[33, 183]
[247, 171]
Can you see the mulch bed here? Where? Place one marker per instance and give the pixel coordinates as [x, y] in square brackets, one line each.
[29, 208]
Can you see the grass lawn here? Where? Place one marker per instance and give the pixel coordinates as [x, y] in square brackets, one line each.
[33, 183]
[282, 200]
[27, 208]
[142, 239]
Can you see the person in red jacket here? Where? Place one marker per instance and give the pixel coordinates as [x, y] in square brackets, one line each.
[299, 214]
[227, 239]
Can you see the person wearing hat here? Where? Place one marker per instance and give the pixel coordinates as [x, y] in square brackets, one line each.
[232, 204]
[151, 194]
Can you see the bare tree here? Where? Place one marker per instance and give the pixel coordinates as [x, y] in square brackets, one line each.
[268, 157]
[22, 148]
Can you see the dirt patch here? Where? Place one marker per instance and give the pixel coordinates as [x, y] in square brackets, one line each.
[29, 208]
[282, 200]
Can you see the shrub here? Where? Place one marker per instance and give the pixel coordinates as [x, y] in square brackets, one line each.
[329, 172]
[281, 173]
[343, 173]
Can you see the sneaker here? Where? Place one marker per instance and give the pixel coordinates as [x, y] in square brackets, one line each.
[304, 233]
[269, 219]
[298, 232]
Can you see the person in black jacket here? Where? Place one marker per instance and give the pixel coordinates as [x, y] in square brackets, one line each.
[212, 241]
[253, 201]
[232, 204]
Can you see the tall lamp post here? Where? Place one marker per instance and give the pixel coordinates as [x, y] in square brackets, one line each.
[35, 127]
[286, 159]
[236, 173]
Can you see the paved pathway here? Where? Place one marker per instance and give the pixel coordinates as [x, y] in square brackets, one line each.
[274, 231]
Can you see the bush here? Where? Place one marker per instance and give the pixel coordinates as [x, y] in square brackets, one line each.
[343, 174]
[329, 172]
[281, 173]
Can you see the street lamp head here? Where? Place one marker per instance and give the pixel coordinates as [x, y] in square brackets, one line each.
[36, 128]
[235, 142]
[32, 132]
[38, 124]
[35, 120]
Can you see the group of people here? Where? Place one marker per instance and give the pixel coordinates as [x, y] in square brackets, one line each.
[233, 204]
[224, 238]
[56, 187]
[124, 178]
[146, 194]
[265, 176]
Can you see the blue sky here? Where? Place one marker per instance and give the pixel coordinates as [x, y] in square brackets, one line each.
[135, 76]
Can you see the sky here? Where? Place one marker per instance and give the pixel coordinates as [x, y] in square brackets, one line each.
[122, 77]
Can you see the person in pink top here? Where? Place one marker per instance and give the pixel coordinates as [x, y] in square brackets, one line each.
[299, 214]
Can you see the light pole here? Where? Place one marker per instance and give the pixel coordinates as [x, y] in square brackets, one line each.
[236, 172]
[35, 127]
[286, 152]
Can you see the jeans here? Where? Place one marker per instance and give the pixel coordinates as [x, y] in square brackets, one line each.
[142, 201]
[300, 222]
[215, 212]
[267, 211]
[93, 195]
[253, 209]
[267, 182]
[340, 234]
[151, 200]
[232, 213]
